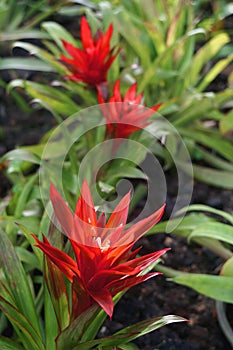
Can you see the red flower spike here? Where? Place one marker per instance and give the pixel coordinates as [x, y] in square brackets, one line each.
[104, 263]
[90, 65]
[124, 115]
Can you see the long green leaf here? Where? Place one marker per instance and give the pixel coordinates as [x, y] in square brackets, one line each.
[227, 269]
[217, 178]
[8, 344]
[28, 63]
[94, 326]
[150, 72]
[130, 333]
[58, 33]
[48, 96]
[74, 332]
[206, 208]
[226, 124]
[215, 230]
[222, 146]
[22, 34]
[24, 195]
[43, 55]
[17, 281]
[184, 227]
[216, 287]
[202, 106]
[55, 282]
[22, 325]
[51, 325]
[206, 53]
[212, 74]
[19, 154]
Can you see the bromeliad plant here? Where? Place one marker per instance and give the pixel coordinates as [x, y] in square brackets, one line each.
[82, 279]
[90, 64]
[166, 49]
[87, 273]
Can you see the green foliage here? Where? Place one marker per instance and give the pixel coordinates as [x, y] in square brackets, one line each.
[216, 236]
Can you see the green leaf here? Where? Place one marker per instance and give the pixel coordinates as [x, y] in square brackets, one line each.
[130, 333]
[25, 64]
[227, 269]
[48, 96]
[206, 208]
[125, 26]
[129, 172]
[28, 234]
[17, 281]
[201, 106]
[27, 257]
[213, 72]
[214, 230]
[213, 159]
[182, 228]
[226, 124]
[149, 73]
[36, 150]
[57, 291]
[216, 287]
[22, 34]
[58, 33]
[217, 178]
[51, 325]
[212, 141]
[20, 154]
[43, 55]
[129, 346]
[205, 54]
[8, 344]
[73, 333]
[22, 325]
[95, 325]
[24, 195]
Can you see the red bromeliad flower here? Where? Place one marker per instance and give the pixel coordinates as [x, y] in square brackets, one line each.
[104, 264]
[125, 115]
[90, 64]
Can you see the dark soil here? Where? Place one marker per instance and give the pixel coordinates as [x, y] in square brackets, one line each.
[157, 296]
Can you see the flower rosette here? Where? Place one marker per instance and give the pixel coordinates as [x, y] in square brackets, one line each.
[113, 163]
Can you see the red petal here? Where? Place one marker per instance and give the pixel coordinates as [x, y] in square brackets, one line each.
[140, 228]
[104, 277]
[62, 212]
[131, 93]
[155, 108]
[80, 298]
[85, 207]
[126, 283]
[107, 36]
[86, 35]
[143, 261]
[120, 213]
[104, 299]
[116, 92]
[63, 261]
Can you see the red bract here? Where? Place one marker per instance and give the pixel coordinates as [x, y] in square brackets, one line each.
[125, 115]
[90, 64]
[104, 264]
